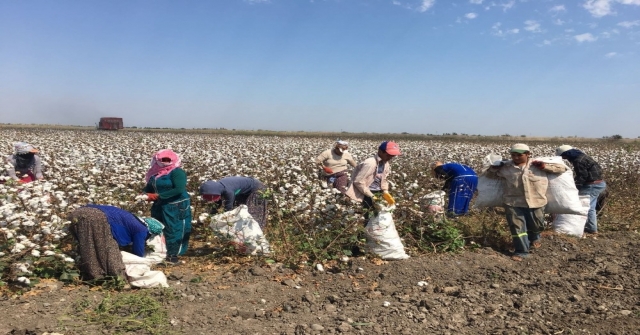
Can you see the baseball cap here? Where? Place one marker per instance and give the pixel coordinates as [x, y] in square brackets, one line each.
[520, 148]
[561, 149]
[391, 148]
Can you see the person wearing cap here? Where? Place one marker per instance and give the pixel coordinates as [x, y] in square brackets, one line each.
[167, 188]
[524, 196]
[24, 165]
[100, 232]
[232, 192]
[589, 181]
[369, 178]
[460, 181]
[333, 164]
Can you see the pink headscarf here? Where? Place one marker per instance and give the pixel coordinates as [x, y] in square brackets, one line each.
[159, 168]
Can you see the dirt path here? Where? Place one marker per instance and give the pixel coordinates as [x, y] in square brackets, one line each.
[570, 286]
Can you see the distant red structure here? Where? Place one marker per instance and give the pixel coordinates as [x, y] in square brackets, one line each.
[110, 123]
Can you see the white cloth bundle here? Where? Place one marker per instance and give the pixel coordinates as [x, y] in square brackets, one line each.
[139, 272]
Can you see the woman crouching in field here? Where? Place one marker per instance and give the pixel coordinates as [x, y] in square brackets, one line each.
[100, 232]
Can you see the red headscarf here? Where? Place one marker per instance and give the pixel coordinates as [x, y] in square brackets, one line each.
[159, 168]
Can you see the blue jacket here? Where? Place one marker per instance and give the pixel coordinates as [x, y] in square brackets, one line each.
[126, 228]
[451, 170]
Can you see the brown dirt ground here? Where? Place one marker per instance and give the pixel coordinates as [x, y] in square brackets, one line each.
[569, 286]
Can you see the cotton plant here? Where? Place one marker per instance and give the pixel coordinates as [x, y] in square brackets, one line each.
[82, 167]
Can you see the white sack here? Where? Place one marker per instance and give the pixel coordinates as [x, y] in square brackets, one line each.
[434, 202]
[562, 194]
[159, 246]
[490, 192]
[139, 272]
[382, 236]
[572, 224]
[239, 227]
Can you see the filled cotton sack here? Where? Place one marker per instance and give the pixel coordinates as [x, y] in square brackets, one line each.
[572, 224]
[241, 229]
[562, 194]
[382, 236]
[490, 191]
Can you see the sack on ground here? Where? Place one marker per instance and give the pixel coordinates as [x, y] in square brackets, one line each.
[434, 202]
[159, 249]
[490, 192]
[139, 272]
[382, 236]
[562, 194]
[240, 228]
[572, 224]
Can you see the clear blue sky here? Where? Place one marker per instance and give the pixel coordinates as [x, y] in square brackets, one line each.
[538, 68]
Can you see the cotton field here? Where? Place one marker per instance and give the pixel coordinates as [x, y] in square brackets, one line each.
[98, 167]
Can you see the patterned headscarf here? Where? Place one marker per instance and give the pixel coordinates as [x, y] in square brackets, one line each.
[22, 148]
[155, 227]
[159, 168]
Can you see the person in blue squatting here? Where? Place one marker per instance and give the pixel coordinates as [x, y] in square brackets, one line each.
[460, 182]
[167, 188]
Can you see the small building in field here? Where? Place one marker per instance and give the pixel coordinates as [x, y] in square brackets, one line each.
[110, 123]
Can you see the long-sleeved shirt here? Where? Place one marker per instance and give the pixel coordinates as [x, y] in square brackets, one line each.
[35, 167]
[170, 188]
[526, 186]
[335, 162]
[231, 189]
[586, 170]
[364, 175]
[126, 228]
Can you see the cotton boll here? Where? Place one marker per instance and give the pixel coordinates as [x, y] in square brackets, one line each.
[49, 253]
[24, 281]
[35, 253]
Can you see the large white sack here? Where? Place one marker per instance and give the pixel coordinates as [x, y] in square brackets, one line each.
[572, 224]
[562, 194]
[382, 236]
[240, 227]
[490, 192]
[139, 272]
[159, 246]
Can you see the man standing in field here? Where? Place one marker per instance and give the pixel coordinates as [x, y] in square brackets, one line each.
[333, 164]
[589, 181]
[524, 196]
[369, 178]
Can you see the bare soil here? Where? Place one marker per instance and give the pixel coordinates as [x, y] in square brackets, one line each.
[568, 286]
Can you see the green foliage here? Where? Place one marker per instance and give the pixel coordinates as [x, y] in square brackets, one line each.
[137, 312]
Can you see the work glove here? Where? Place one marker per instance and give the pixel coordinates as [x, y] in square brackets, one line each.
[540, 165]
[327, 170]
[388, 198]
[152, 196]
